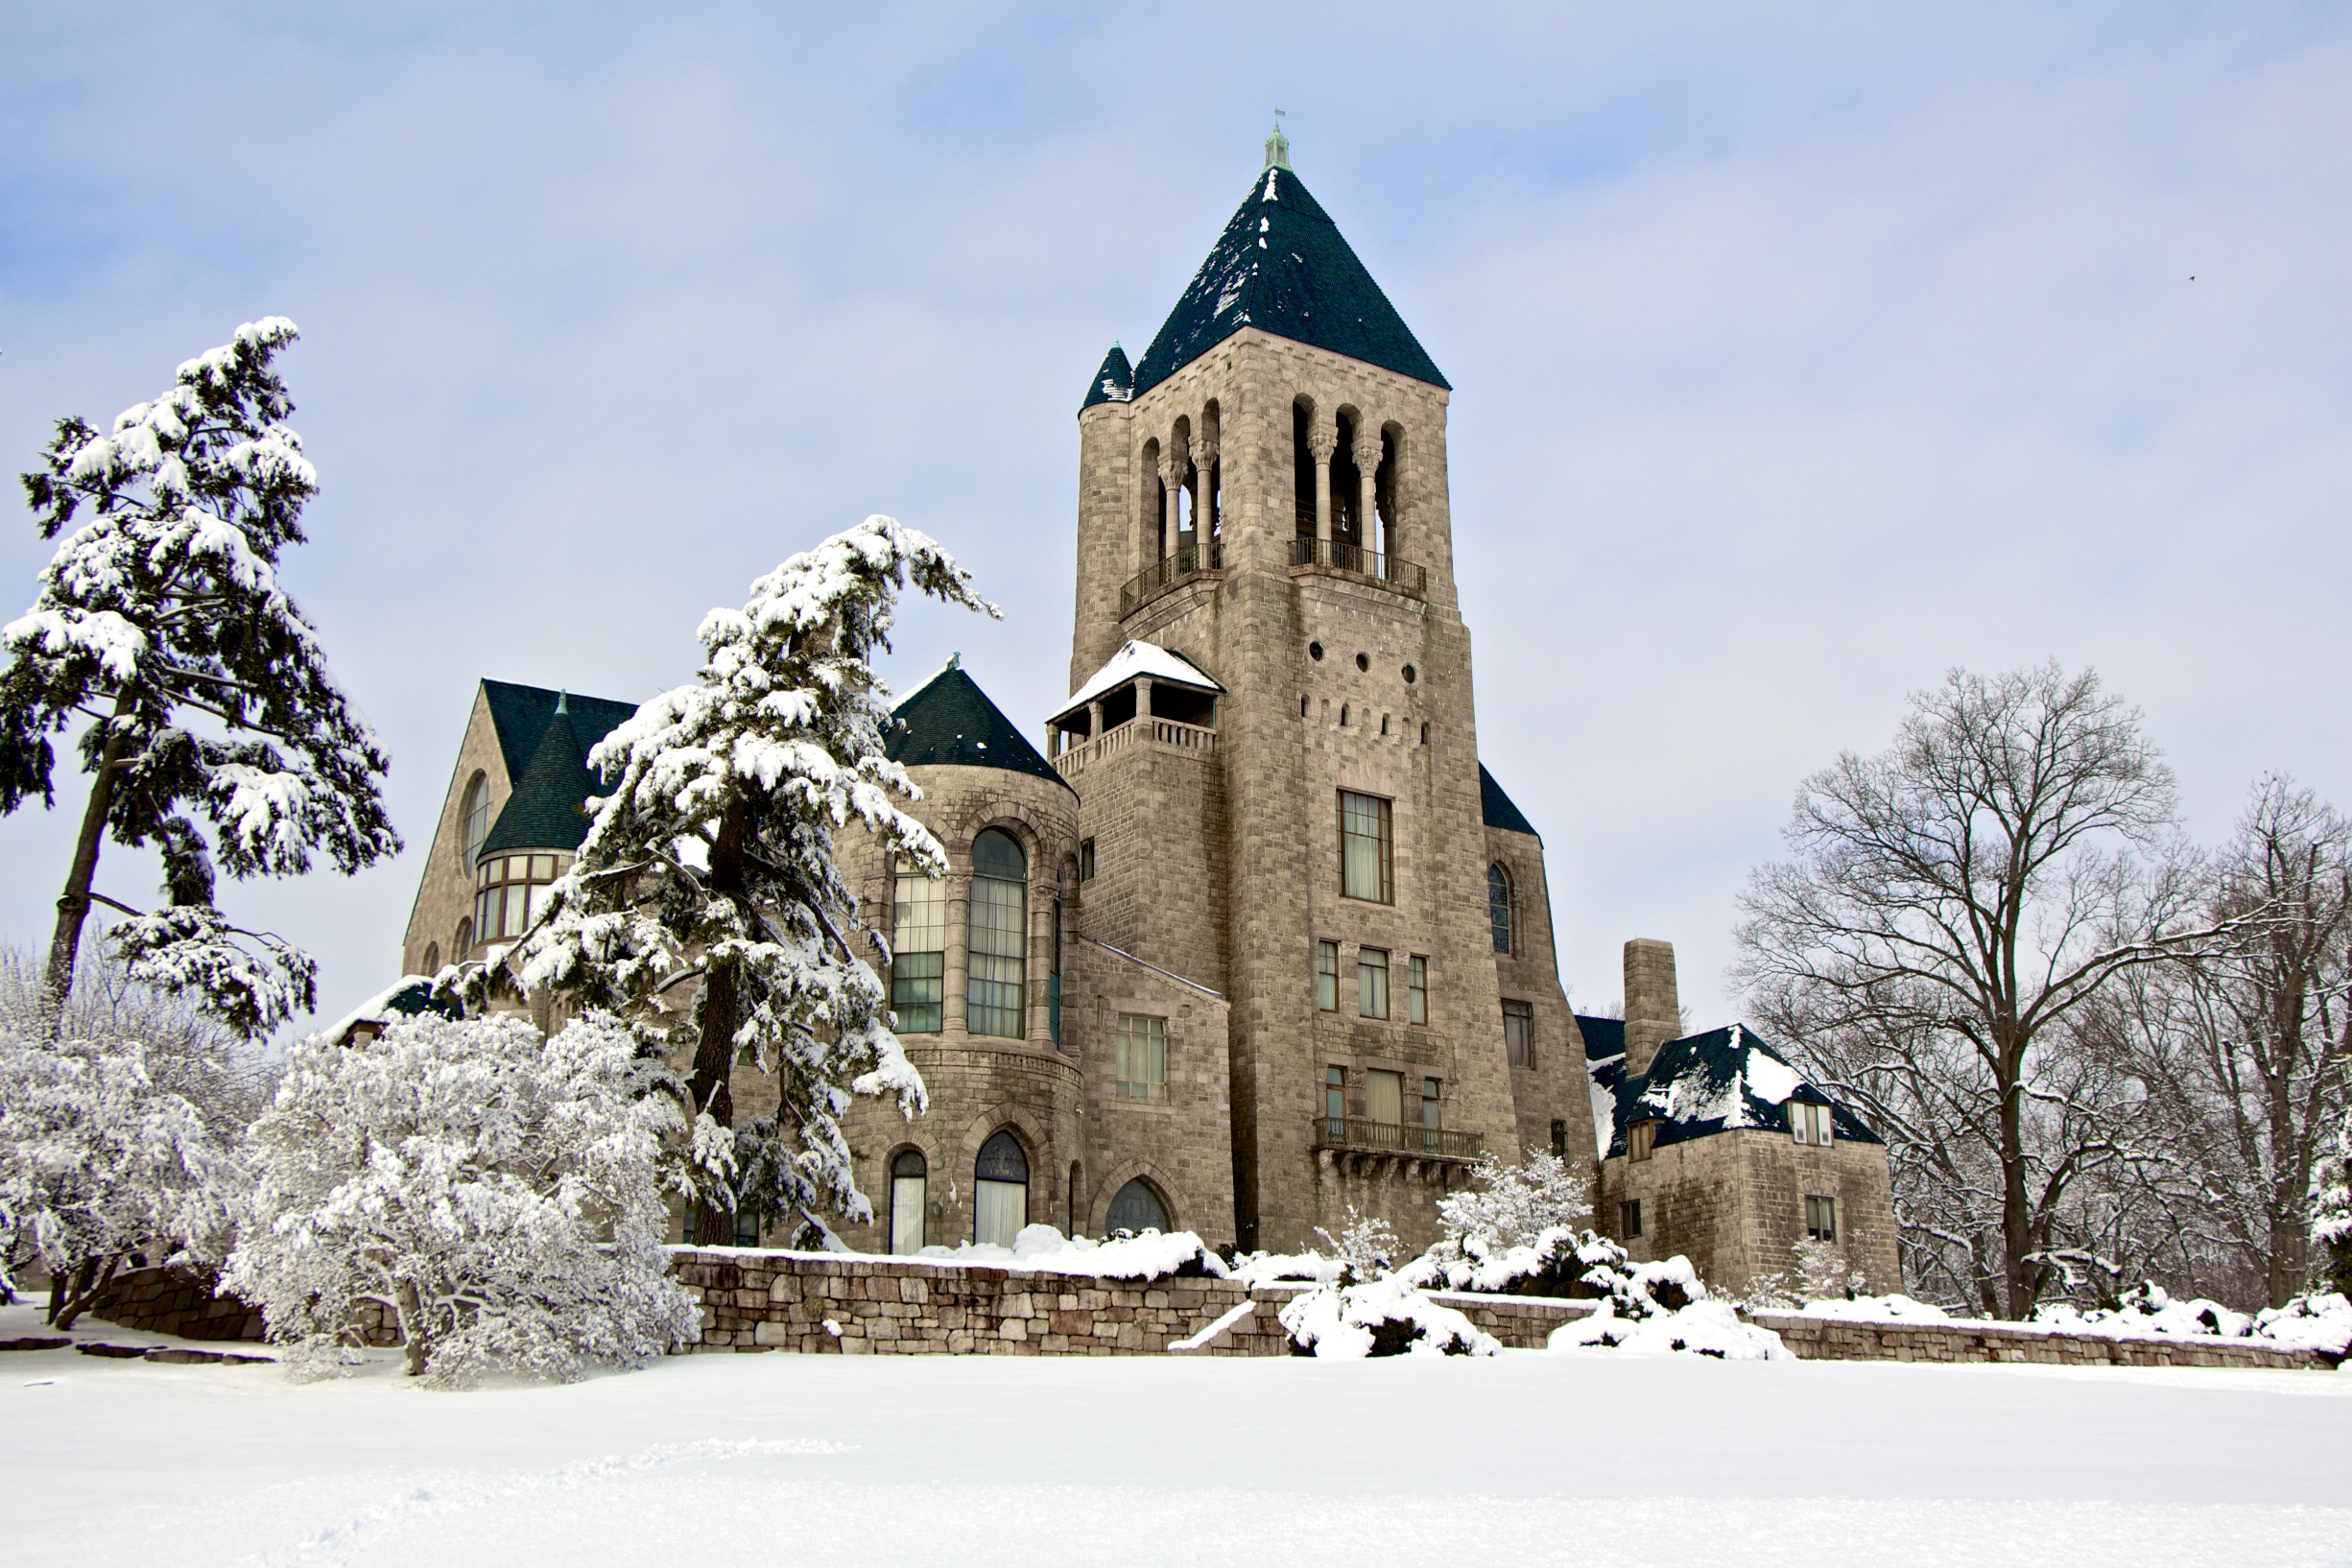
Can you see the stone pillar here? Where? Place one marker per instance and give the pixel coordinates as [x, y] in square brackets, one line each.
[1094, 719]
[1653, 1013]
[1204, 499]
[1143, 697]
[1367, 475]
[1322, 441]
[1174, 460]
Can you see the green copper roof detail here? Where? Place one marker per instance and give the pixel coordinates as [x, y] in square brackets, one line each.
[1114, 382]
[544, 738]
[1282, 267]
[949, 722]
[1498, 810]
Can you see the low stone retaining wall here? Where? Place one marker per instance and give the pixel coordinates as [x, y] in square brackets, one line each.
[757, 1300]
[1833, 1339]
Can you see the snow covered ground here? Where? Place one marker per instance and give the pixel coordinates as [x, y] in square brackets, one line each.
[1525, 1457]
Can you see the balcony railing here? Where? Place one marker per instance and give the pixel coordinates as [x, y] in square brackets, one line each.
[1162, 734]
[1357, 1133]
[1401, 575]
[1165, 572]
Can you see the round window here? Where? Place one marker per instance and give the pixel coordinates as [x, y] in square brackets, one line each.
[1315, 651]
[1363, 661]
[1410, 675]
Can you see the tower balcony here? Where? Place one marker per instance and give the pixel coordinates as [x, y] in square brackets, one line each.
[1171, 571]
[1311, 554]
[1360, 1135]
[1145, 733]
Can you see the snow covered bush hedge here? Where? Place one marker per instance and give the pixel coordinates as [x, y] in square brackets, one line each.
[498, 1195]
[1513, 1231]
[1149, 1255]
[1658, 1309]
[1380, 1317]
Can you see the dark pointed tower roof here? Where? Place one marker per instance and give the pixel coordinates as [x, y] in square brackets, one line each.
[1500, 809]
[544, 738]
[949, 720]
[1114, 382]
[1282, 267]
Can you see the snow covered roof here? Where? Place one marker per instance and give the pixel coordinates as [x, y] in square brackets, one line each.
[948, 721]
[1282, 267]
[408, 997]
[1114, 382]
[544, 738]
[1724, 1080]
[1499, 809]
[1138, 658]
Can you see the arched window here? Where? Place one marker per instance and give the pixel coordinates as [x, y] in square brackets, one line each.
[999, 942]
[432, 958]
[464, 943]
[908, 1186]
[474, 816]
[1498, 904]
[1137, 1208]
[1000, 1191]
[1077, 1205]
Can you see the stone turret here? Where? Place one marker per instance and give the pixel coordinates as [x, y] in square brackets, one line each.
[1653, 1013]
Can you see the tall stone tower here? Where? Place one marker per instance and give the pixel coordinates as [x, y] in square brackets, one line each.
[1264, 495]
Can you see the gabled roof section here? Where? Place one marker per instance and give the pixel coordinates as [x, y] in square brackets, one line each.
[949, 722]
[1724, 1080]
[1500, 811]
[544, 738]
[1113, 383]
[1603, 1037]
[1138, 658]
[1282, 267]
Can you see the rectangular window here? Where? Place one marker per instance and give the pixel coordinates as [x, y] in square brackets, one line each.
[1821, 1218]
[1640, 1139]
[1559, 1140]
[1335, 1104]
[1327, 976]
[999, 954]
[1519, 1034]
[1416, 990]
[1085, 860]
[1366, 857]
[1143, 1058]
[1433, 1102]
[1371, 982]
[918, 951]
[1810, 1122]
[1384, 1097]
[1629, 1219]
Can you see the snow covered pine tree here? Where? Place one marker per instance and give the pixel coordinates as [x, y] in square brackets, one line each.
[712, 862]
[161, 622]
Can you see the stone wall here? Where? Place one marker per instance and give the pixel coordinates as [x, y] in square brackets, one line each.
[1830, 1339]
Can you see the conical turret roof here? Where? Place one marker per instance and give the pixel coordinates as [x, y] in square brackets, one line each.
[1114, 382]
[949, 720]
[1283, 266]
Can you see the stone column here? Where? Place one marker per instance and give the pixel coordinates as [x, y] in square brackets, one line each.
[1094, 719]
[1174, 460]
[1143, 697]
[1204, 498]
[1367, 473]
[1322, 441]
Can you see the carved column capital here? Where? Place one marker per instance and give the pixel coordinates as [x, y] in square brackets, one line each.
[1322, 441]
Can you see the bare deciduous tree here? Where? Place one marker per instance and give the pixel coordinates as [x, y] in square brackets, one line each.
[1947, 907]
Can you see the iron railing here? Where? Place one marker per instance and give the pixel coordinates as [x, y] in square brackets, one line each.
[1357, 1133]
[1339, 556]
[1188, 562]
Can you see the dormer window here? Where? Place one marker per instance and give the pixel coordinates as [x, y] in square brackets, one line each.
[1810, 1122]
[1641, 1138]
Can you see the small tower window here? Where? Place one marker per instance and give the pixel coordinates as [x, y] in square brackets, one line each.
[474, 816]
[1498, 904]
[1821, 1218]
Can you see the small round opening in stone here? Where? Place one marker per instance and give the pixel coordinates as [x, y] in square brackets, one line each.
[1315, 651]
[1410, 675]
[1363, 661]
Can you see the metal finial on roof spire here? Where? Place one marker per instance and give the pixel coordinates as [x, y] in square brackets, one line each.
[1278, 146]
[563, 700]
[955, 661]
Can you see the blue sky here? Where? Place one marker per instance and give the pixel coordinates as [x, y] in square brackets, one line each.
[1803, 352]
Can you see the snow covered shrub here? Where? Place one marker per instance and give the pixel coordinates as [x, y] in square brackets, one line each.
[1365, 1248]
[2330, 1212]
[1513, 1230]
[1821, 1276]
[101, 1166]
[1662, 1309]
[712, 865]
[2148, 1309]
[497, 1195]
[2320, 1322]
[1380, 1317]
[162, 622]
[1176, 1254]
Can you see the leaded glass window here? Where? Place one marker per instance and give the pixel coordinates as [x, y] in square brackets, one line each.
[918, 950]
[1137, 1208]
[1366, 857]
[1000, 1191]
[999, 945]
[1143, 1058]
[1498, 906]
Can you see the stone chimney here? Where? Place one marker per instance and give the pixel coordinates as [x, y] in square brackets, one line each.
[1653, 1013]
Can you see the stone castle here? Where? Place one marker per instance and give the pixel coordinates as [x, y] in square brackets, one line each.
[1255, 939]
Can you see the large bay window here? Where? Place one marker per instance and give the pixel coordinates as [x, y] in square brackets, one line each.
[507, 892]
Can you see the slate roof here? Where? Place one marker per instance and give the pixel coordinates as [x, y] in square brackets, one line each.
[949, 720]
[1138, 658]
[1282, 267]
[1114, 382]
[1500, 812]
[546, 754]
[1723, 1080]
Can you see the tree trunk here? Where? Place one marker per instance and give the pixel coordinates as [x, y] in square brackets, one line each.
[90, 1281]
[2016, 1207]
[74, 903]
[412, 1331]
[714, 1053]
